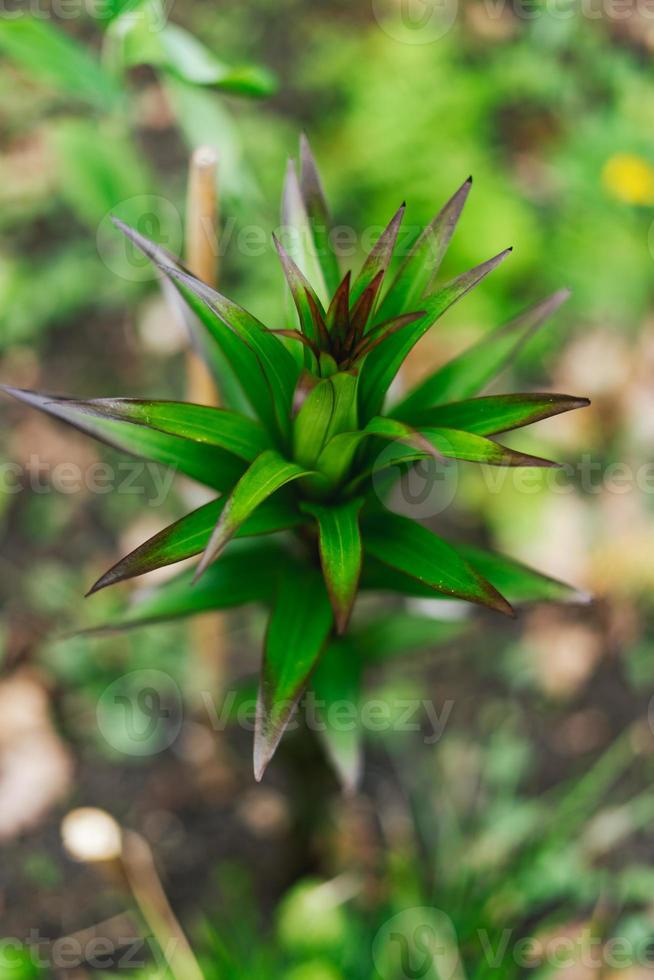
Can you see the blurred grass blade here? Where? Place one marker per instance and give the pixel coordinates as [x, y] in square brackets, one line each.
[519, 582]
[339, 541]
[418, 271]
[200, 423]
[190, 535]
[46, 52]
[318, 214]
[297, 234]
[336, 683]
[416, 551]
[207, 464]
[468, 373]
[243, 576]
[268, 473]
[493, 414]
[297, 632]
[383, 363]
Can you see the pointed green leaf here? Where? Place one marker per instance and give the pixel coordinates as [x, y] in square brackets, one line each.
[207, 464]
[248, 575]
[455, 444]
[301, 290]
[379, 257]
[299, 626]
[418, 271]
[268, 473]
[298, 234]
[468, 373]
[339, 540]
[318, 213]
[519, 582]
[253, 352]
[416, 551]
[311, 424]
[215, 426]
[493, 414]
[190, 535]
[336, 684]
[383, 363]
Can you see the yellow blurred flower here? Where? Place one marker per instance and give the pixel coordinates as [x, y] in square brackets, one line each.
[629, 179]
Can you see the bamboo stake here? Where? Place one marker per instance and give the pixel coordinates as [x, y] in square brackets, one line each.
[208, 633]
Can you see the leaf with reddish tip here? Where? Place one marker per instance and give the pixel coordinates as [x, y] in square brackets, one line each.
[468, 373]
[416, 551]
[339, 540]
[207, 464]
[363, 308]
[493, 414]
[380, 255]
[318, 212]
[338, 314]
[386, 329]
[246, 575]
[230, 431]
[300, 289]
[190, 535]
[456, 444]
[418, 271]
[382, 364]
[268, 473]
[519, 582]
[298, 629]
[336, 683]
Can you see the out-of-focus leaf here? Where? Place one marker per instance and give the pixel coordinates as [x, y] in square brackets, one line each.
[247, 575]
[318, 214]
[468, 373]
[336, 683]
[297, 632]
[215, 426]
[383, 363]
[207, 464]
[416, 551]
[339, 541]
[48, 53]
[519, 582]
[495, 413]
[402, 632]
[190, 535]
[268, 473]
[297, 234]
[418, 271]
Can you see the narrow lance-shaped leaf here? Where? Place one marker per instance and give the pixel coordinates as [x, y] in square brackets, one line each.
[336, 684]
[299, 626]
[517, 581]
[215, 426]
[311, 424]
[268, 473]
[339, 540]
[418, 271]
[455, 444]
[297, 234]
[416, 551]
[379, 256]
[383, 363]
[468, 373]
[207, 464]
[301, 290]
[493, 414]
[190, 535]
[243, 576]
[253, 352]
[318, 213]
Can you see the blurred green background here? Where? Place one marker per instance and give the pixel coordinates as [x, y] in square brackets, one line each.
[530, 814]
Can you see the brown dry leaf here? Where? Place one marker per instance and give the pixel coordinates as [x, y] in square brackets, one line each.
[36, 768]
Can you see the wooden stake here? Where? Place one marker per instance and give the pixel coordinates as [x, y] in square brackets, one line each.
[208, 632]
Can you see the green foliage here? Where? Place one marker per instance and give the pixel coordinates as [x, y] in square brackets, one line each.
[304, 457]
